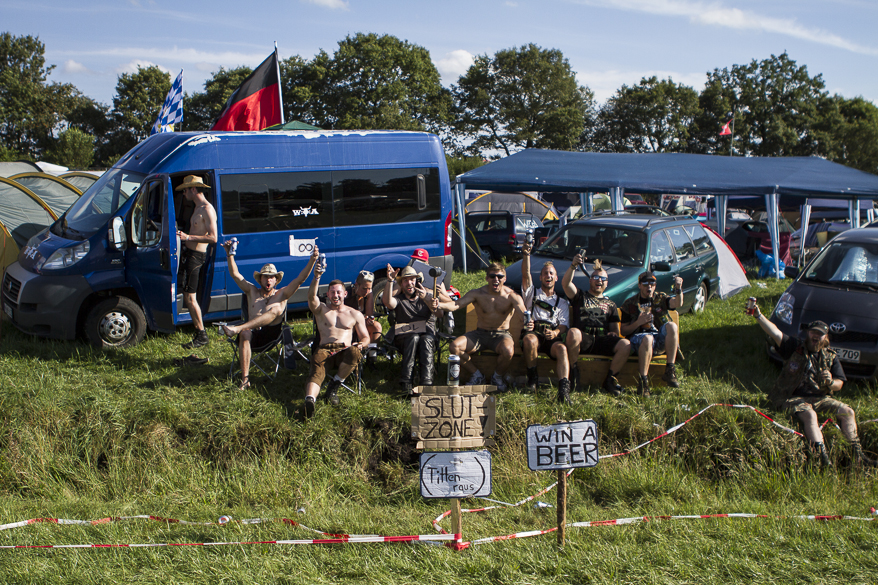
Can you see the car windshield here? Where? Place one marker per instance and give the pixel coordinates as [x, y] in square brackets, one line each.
[846, 262]
[92, 211]
[612, 245]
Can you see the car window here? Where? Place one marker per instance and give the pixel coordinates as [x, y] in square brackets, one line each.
[611, 245]
[682, 244]
[700, 238]
[660, 249]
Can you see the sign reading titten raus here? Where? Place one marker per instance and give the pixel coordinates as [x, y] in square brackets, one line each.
[453, 417]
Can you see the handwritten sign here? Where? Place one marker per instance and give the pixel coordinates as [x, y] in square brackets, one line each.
[301, 247]
[462, 474]
[453, 417]
[562, 446]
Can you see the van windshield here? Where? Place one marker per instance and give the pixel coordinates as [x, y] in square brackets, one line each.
[92, 211]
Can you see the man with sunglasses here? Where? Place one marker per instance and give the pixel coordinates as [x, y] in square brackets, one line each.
[811, 373]
[545, 332]
[360, 298]
[640, 315]
[494, 303]
[594, 326]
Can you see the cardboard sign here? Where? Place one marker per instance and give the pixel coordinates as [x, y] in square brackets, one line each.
[461, 474]
[301, 247]
[453, 417]
[562, 446]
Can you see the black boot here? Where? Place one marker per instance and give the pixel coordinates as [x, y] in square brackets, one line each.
[611, 385]
[200, 339]
[332, 391]
[532, 379]
[860, 457]
[309, 406]
[643, 385]
[824, 456]
[574, 377]
[564, 391]
[670, 376]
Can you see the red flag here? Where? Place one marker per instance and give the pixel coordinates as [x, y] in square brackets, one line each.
[256, 103]
[725, 131]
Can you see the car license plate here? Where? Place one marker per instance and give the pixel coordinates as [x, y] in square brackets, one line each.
[849, 355]
[8, 310]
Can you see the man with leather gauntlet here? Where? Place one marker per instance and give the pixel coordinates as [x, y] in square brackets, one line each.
[811, 373]
[545, 332]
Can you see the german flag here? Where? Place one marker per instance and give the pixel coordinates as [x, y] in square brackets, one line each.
[256, 103]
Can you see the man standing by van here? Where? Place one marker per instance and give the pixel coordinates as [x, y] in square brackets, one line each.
[267, 305]
[193, 253]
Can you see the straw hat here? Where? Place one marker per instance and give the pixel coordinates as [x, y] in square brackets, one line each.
[192, 181]
[268, 270]
[406, 272]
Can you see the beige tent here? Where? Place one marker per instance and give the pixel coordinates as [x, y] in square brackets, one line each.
[55, 192]
[22, 215]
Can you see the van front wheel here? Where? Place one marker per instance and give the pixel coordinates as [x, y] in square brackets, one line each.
[115, 322]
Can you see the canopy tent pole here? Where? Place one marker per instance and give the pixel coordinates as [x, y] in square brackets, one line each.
[722, 202]
[870, 213]
[854, 213]
[617, 195]
[460, 191]
[806, 220]
[586, 204]
[774, 232]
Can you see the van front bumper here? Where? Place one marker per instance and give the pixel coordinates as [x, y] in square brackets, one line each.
[43, 305]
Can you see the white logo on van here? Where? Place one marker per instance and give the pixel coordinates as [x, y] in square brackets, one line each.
[306, 211]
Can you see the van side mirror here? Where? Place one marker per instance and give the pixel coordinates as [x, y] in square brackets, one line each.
[791, 272]
[117, 235]
[661, 267]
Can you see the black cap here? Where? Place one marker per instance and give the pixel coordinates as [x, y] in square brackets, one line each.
[646, 277]
[819, 326]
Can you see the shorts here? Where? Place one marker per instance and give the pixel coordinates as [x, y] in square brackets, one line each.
[797, 404]
[545, 345]
[333, 355]
[658, 340]
[487, 339]
[190, 270]
[265, 337]
[603, 345]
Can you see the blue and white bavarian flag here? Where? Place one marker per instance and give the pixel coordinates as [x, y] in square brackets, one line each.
[172, 110]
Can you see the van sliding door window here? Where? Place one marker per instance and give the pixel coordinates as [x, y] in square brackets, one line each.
[272, 202]
[146, 217]
[381, 196]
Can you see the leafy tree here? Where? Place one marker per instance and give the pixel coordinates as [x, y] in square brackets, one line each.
[370, 82]
[73, 149]
[523, 97]
[653, 116]
[849, 132]
[461, 164]
[138, 101]
[200, 110]
[776, 105]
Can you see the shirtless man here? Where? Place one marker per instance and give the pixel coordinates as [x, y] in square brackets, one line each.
[360, 297]
[202, 233]
[495, 304]
[267, 305]
[336, 323]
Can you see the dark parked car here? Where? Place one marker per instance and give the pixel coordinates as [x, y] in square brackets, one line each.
[840, 287]
[629, 244]
[644, 209]
[501, 233]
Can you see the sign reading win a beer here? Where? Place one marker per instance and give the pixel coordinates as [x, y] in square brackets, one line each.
[453, 417]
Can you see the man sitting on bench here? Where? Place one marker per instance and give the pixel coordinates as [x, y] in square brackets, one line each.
[594, 325]
[266, 308]
[545, 332]
[640, 313]
[494, 303]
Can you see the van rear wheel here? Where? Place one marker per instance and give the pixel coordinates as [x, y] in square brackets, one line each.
[115, 322]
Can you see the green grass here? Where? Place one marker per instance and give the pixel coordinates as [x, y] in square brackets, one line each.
[87, 434]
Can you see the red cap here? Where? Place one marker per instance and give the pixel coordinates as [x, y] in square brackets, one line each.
[421, 254]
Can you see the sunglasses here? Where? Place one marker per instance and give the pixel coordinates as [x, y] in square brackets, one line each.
[648, 282]
[497, 276]
[367, 276]
[601, 278]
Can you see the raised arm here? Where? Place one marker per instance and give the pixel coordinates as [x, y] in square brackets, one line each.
[526, 279]
[567, 281]
[234, 272]
[770, 328]
[389, 300]
[313, 302]
[677, 300]
[290, 289]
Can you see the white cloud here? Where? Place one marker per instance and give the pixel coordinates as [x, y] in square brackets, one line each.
[201, 60]
[453, 65]
[605, 83]
[71, 66]
[716, 14]
[331, 4]
[133, 66]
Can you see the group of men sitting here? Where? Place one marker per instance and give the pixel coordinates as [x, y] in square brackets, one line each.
[589, 323]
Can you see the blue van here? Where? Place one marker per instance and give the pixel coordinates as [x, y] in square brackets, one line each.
[108, 267]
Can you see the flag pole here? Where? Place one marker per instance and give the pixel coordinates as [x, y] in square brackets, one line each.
[732, 143]
[280, 93]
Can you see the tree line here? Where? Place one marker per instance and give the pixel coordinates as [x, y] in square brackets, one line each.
[522, 97]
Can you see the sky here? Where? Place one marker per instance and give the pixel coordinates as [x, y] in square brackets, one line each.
[608, 43]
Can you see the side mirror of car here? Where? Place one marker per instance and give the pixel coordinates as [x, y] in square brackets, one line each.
[117, 235]
[661, 267]
[791, 272]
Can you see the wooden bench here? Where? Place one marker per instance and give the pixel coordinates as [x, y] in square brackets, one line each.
[593, 369]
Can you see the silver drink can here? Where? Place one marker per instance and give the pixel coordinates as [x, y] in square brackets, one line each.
[453, 370]
[529, 237]
[234, 249]
[321, 260]
[527, 316]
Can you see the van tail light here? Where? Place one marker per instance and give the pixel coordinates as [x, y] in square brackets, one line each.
[543, 240]
[512, 241]
[448, 234]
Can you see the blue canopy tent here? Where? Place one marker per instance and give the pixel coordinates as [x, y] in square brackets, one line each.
[695, 174]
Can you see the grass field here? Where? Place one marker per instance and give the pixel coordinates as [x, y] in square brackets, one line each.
[87, 435]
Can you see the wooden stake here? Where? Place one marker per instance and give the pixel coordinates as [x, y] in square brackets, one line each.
[562, 506]
[456, 519]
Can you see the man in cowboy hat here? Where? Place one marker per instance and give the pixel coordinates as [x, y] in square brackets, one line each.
[202, 233]
[811, 374]
[415, 330]
[336, 323]
[267, 305]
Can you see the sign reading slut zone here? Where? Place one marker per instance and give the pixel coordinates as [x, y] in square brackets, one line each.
[563, 445]
[453, 417]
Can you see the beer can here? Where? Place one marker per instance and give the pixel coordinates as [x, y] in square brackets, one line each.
[529, 237]
[453, 370]
[527, 316]
[234, 249]
[321, 260]
[751, 306]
